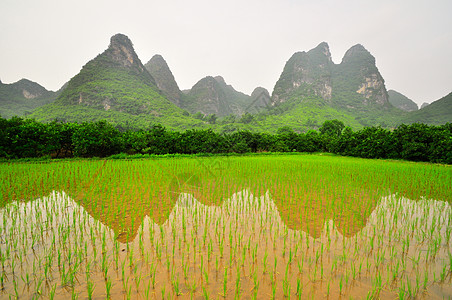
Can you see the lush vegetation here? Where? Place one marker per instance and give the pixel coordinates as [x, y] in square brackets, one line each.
[21, 138]
[104, 91]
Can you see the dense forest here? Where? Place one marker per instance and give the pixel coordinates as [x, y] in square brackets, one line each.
[27, 138]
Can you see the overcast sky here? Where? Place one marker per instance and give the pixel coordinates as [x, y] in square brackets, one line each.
[246, 42]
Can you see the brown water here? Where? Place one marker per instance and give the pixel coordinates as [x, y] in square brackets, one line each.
[241, 248]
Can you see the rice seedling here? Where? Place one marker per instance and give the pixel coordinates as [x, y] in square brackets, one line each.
[342, 222]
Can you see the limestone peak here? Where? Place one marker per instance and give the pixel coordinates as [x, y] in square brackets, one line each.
[220, 79]
[160, 71]
[121, 51]
[357, 52]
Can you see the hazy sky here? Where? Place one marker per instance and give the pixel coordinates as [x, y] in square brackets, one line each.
[247, 42]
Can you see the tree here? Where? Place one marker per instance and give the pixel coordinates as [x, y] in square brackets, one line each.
[373, 142]
[241, 147]
[61, 138]
[285, 130]
[346, 144]
[413, 141]
[440, 149]
[244, 136]
[330, 132]
[26, 138]
[287, 140]
[310, 142]
[97, 139]
[332, 128]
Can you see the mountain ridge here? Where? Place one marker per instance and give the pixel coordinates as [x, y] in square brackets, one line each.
[401, 101]
[354, 87]
[115, 86]
[436, 113]
[311, 89]
[313, 73]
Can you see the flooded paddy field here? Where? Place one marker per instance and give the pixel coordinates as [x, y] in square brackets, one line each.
[252, 227]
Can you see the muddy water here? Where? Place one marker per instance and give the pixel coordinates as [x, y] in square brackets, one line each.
[53, 247]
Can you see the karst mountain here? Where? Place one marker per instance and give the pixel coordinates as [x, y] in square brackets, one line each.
[117, 87]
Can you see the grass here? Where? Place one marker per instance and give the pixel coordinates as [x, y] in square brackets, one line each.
[288, 226]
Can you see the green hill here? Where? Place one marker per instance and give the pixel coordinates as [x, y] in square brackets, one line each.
[437, 113]
[212, 95]
[401, 101]
[23, 96]
[117, 87]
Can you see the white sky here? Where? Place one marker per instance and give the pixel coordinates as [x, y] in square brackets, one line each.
[246, 42]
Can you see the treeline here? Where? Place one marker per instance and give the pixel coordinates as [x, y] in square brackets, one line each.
[25, 138]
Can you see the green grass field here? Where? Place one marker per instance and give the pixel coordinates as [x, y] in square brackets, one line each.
[261, 226]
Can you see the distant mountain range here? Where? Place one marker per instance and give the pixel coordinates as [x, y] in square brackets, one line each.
[210, 95]
[116, 86]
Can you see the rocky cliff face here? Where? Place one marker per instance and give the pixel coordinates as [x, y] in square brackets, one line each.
[354, 82]
[306, 73]
[160, 71]
[29, 89]
[359, 73]
[121, 52]
[372, 88]
[401, 101]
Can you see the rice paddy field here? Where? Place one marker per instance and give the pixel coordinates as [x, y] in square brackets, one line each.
[250, 227]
